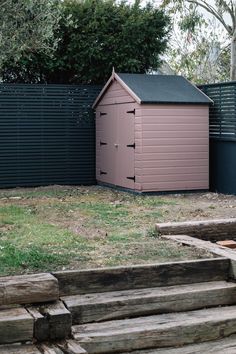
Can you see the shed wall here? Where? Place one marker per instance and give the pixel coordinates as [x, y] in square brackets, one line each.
[116, 94]
[172, 147]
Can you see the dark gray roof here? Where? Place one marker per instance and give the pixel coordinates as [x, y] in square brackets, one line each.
[164, 89]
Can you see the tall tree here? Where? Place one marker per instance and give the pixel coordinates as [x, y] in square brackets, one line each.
[27, 26]
[198, 48]
[93, 37]
[225, 12]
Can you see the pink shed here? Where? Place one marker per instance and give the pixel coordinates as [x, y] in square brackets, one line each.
[152, 134]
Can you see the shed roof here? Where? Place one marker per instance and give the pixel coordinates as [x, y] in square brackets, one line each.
[158, 89]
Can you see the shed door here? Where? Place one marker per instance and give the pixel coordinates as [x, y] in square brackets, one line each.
[115, 144]
[126, 147]
[106, 135]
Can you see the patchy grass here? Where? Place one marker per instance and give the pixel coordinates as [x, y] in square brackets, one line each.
[78, 227]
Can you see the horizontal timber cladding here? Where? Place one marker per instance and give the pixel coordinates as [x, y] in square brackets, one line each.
[47, 134]
[223, 111]
[115, 94]
[172, 147]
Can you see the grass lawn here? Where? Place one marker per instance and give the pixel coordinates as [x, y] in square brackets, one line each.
[79, 227]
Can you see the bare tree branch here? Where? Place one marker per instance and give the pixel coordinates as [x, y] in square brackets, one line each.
[230, 8]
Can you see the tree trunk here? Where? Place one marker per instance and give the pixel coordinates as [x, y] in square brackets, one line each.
[233, 58]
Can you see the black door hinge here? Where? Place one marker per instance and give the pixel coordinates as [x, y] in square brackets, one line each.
[131, 146]
[133, 111]
[103, 173]
[102, 143]
[133, 178]
[103, 114]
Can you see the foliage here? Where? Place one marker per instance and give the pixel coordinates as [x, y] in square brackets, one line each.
[93, 37]
[199, 54]
[218, 10]
[208, 54]
[27, 26]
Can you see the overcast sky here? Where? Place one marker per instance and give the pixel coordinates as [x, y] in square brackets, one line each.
[206, 14]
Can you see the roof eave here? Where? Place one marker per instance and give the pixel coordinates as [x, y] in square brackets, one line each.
[210, 100]
[116, 77]
[174, 102]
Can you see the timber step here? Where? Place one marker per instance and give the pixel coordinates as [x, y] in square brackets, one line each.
[63, 347]
[42, 310]
[30, 288]
[141, 276]
[165, 330]
[16, 325]
[140, 302]
[51, 321]
[220, 346]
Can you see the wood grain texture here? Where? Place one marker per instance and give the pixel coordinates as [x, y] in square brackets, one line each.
[157, 331]
[16, 325]
[132, 303]
[50, 349]
[137, 277]
[25, 289]
[115, 94]
[59, 319]
[212, 230]
[1, 295]
[41, 324]
[221, 346]
[204, 245]
[71, 346]
[19, 349]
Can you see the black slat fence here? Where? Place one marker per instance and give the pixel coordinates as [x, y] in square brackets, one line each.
[223, 112]
[47, 134]
[222, 129]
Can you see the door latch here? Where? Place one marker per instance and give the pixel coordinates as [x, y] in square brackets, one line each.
[132, 178]
[102, 143]
[103, 172]
[103, 114]
[131, 145]
[133, 111]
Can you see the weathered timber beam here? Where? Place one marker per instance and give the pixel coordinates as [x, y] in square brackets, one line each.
[141, 276]
[26, 289]
[213, 230]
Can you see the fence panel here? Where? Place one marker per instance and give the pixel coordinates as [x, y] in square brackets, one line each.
[222, 125]
[47, 134]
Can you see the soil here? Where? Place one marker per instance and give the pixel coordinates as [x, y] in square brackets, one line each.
[200, 206]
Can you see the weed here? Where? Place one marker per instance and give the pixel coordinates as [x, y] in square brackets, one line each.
[48, 228]
[32, 258]
[152, 232]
